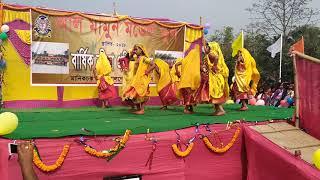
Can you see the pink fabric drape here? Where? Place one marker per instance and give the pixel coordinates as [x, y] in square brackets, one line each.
[251, 157]
[266, 160]
[308, 74]
[200, 164]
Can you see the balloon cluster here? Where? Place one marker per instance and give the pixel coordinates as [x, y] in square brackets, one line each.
[206, 28]
[3, 35]
[287, 102]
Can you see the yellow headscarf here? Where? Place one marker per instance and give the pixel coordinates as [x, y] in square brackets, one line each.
[103, 67]
[144, 50]
[216, 50]
[218, 86]
[251, 72]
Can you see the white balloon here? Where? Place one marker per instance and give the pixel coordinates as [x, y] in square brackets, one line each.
[5, 28]
[260, 102]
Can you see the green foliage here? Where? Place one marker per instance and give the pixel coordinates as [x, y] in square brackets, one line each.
[257, 45]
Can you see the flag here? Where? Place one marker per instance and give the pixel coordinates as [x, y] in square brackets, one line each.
[298, 46]
[275, 47]
[237, 44]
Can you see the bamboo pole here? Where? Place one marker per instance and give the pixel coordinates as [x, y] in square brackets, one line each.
[296, 91]
[306, 57]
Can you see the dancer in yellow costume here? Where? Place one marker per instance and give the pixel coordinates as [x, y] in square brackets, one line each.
[165, 87]
[218, 77]
[127, 65]
[138, 90]
[246, 77]
[102, 73]
[189, 78]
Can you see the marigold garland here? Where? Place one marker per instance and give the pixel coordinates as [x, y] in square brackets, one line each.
[225, 148]
[53, 167]
[184, 153]
[111, 152]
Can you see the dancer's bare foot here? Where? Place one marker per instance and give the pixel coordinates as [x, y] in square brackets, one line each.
[186, 111]
[243, 108]
[139, 112]
[164, 108]
[219, 113]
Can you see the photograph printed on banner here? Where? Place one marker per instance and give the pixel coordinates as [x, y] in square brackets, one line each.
[50, 58]
[168, 56]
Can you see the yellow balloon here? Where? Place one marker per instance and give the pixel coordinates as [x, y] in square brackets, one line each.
[8, 123]
[316, 158]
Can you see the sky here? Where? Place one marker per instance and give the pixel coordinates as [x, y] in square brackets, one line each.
[219, 13]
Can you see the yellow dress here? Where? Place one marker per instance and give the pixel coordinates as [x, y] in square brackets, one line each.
[174, 77]
[127, 77]
[105, 82]
[165, 87]
[244, 74]
[190, 76]
[190, 70]
[218, 81]
[138, 90]
[164, 78]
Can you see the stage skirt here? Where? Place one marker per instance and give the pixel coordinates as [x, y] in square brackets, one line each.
[202, 94]
[105, 90]
[238, 94]
[188, 96]
[131, 95]
[168, 94]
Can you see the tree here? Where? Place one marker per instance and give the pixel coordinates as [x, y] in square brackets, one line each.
[311, 36]
[273, 17]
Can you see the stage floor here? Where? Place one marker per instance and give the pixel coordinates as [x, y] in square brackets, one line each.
[52, 122]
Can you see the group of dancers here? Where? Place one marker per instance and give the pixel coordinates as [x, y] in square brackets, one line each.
[186, 80]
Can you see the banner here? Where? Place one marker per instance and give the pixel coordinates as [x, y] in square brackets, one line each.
[65, 48]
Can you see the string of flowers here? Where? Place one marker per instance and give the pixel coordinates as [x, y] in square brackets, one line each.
[109, 154]
[48, 168]
[189, 146]
[221, 149]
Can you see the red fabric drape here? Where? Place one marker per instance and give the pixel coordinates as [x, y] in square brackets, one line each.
[308, 74]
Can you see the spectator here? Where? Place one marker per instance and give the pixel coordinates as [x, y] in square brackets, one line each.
[25, 154]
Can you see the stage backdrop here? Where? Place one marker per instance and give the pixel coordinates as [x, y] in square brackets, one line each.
[65, 48]
[17, 89]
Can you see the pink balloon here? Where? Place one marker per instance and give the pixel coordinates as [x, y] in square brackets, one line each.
[260, 102]
[284, 103]
[252, 101]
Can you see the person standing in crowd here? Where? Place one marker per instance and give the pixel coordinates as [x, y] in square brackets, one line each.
[102, 73]
[246, 77]
[25, 159]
